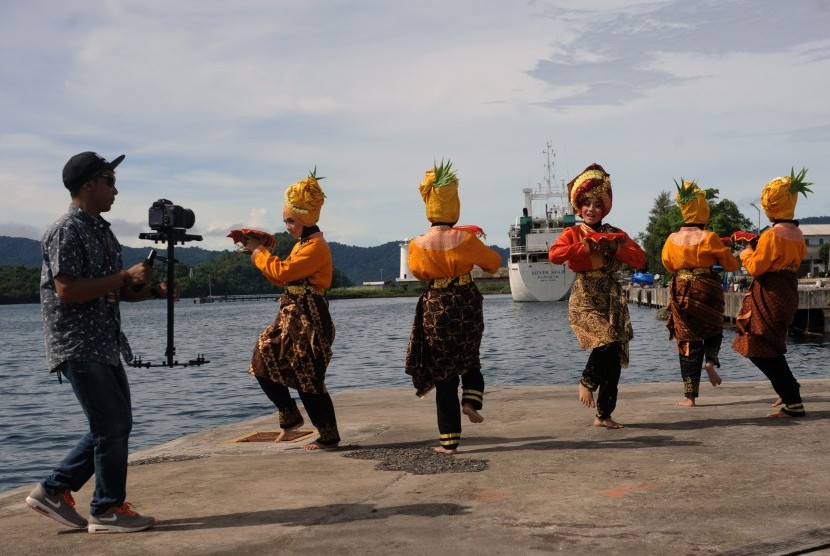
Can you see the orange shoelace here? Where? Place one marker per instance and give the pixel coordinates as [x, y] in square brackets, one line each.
[125, 509]
[67, 498]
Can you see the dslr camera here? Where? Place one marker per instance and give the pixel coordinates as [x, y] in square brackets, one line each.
[164, 215]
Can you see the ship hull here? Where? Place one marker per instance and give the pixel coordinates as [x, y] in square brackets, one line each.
[532, 276]
[540, 281]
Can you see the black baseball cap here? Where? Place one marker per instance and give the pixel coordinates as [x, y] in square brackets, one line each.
[83, 166]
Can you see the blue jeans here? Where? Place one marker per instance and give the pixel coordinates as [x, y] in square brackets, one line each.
[104, 395]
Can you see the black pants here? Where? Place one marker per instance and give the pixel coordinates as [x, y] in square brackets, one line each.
[319, 407]
[602, 374]
[783, 382]
[448, 408]
[691, 365]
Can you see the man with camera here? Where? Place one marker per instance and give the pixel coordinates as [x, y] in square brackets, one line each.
[82, 284]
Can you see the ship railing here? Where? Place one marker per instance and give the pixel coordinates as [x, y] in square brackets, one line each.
[524, 249]
[554, 227]
[549, 221]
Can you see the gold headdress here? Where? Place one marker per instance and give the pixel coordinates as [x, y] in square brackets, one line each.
[693, 202]
[439, 190]
[304, 199]
[780, 195]
[593, 182]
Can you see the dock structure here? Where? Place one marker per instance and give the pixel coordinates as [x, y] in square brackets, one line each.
[812, 316]
[232, 298]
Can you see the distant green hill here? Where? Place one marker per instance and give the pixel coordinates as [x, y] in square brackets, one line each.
[16, 251]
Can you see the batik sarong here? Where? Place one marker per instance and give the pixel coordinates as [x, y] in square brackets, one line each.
[768, 310]
[598, 312]
[446, 335]
[295, 351]
[696, 311]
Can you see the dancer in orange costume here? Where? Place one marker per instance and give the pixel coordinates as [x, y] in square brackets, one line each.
[696, 295]
[772, 300]
[449, 318]
[295, 351]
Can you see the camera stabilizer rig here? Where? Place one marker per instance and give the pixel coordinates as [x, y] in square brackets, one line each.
[170, 223]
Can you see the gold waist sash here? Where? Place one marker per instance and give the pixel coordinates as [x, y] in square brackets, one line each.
[303, 288]
[441, 283]
[592, 274]
[692, 273]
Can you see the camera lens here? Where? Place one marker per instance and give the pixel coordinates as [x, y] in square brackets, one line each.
[185, 218]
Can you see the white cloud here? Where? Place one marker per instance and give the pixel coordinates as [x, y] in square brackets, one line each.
[220, 106]
[16, 229]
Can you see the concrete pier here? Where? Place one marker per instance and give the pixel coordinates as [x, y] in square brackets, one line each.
[537, 478]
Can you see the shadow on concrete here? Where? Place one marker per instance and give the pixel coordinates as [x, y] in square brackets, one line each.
[332, 514]
[759, 421]
[765, 401]
[623, 443]
[465, 440]
[809, 541]
[506, 444]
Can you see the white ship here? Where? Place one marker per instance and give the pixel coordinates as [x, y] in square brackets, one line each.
[532, 276]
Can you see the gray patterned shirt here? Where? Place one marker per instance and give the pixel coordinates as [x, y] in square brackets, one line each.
[81, 245]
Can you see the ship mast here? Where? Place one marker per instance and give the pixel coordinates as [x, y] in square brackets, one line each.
[548, 152]
[545, 191]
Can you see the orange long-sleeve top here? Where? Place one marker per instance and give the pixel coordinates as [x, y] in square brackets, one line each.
[569, 248]
[446, 253]
[690, 247]
[780, 247]
[309, 259]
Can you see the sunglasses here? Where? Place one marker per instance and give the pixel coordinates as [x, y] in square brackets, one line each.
[109, 179]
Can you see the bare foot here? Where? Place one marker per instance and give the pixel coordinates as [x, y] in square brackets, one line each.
[607, 423]
[311, 446]
[470, 411]
[687, 402]
[714, 377]
[442, 450]
[586, 397]
[777, 403]
[281, 435]
[778, 415]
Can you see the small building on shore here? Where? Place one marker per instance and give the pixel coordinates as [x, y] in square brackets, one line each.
[815, 235]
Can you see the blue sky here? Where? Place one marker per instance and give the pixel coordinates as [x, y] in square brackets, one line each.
[220, 105]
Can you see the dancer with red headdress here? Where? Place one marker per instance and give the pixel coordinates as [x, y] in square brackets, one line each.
[598, 310]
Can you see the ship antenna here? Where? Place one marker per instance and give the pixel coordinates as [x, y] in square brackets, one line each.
[549, 166]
